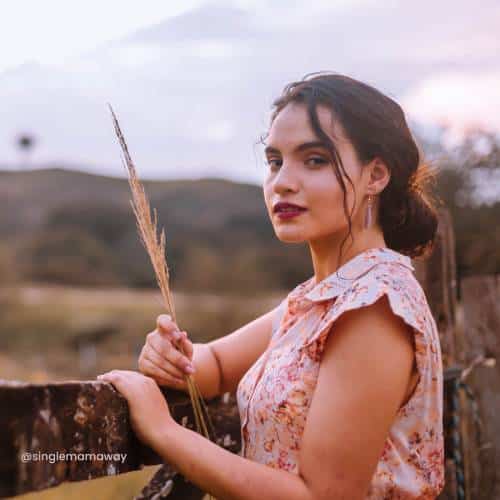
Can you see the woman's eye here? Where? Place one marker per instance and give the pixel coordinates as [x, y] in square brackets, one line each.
[273, 162]
[316, 160]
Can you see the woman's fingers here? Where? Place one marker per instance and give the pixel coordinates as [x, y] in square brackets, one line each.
[161, 363]
[187, 346]
[163, 320]
[161, 376]
[166, 349]
[167, 327]
[165, 324]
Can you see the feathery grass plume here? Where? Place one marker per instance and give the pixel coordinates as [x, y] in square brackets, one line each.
[147, 226]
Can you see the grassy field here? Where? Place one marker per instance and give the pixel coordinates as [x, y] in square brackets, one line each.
[73, 333]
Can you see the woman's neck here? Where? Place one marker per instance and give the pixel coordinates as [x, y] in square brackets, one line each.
[325, 252]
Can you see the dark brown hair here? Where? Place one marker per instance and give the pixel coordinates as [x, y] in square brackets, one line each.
[376, 127]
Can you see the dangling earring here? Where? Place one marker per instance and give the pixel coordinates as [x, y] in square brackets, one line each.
[368, 212]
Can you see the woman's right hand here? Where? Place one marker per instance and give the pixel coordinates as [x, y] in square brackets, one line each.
[162, 355]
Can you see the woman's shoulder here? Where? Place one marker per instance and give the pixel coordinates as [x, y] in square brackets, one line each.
[398, 282]
[405, 296]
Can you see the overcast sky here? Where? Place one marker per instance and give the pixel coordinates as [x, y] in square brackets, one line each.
[192, 81]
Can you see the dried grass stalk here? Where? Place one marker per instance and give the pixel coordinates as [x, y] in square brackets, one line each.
[147, 226]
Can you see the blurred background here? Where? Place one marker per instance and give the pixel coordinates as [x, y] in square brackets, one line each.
[192, 83]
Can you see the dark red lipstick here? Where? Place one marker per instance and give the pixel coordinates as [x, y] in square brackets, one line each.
[285, 210]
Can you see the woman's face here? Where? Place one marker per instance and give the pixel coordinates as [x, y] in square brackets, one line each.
[299, 171]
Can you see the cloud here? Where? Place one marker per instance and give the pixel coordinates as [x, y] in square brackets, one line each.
[456, 100]
[54, 30]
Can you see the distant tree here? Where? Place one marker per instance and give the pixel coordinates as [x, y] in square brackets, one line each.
[469, 185]
[68, 256]
[105, 221]
[25, 142]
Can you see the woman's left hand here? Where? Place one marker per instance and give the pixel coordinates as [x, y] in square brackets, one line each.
[149, 412]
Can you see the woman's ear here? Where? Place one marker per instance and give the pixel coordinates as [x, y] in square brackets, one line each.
[379, 176]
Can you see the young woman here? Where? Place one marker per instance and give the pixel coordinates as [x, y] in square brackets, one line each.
[340, 387]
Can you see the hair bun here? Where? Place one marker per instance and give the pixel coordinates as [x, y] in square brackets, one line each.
[415, 227]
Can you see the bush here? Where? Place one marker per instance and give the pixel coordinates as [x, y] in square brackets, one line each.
[68, 256]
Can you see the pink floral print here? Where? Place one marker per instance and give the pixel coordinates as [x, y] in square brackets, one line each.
[274, 395]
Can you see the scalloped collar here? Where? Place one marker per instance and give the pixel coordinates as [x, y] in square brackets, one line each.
[335, 283]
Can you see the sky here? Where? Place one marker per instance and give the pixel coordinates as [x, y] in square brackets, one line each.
[34, 31]
[192, 81]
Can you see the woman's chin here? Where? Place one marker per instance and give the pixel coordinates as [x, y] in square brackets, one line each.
[290, 236]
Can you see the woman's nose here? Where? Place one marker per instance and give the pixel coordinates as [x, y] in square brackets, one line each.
[285, 179]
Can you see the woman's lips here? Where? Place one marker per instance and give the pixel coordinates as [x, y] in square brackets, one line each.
[289, 214]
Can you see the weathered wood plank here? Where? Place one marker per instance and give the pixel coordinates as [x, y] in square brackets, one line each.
[437, 275]
[481, 330]
[80, 417]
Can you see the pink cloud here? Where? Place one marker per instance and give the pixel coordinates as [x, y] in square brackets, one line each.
[456, 100]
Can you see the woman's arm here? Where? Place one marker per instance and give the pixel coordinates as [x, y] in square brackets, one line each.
[223, 474]
[206, 464]
[363, 378]
[239, 350]
[207, 374]
[219, 364]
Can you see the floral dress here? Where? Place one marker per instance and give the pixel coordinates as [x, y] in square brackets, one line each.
[274, 395]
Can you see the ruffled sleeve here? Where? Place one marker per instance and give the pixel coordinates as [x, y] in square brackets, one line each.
[406, 299]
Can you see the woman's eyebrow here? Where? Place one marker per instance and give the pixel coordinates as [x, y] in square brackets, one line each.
[299, 148]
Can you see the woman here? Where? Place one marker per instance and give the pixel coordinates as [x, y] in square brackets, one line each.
[340, 387]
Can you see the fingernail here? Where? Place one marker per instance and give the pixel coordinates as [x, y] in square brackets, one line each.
[190, 368]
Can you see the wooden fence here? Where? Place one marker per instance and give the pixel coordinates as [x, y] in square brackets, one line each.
[91, 417]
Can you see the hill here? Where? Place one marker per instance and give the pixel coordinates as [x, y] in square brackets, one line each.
[78, 228]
